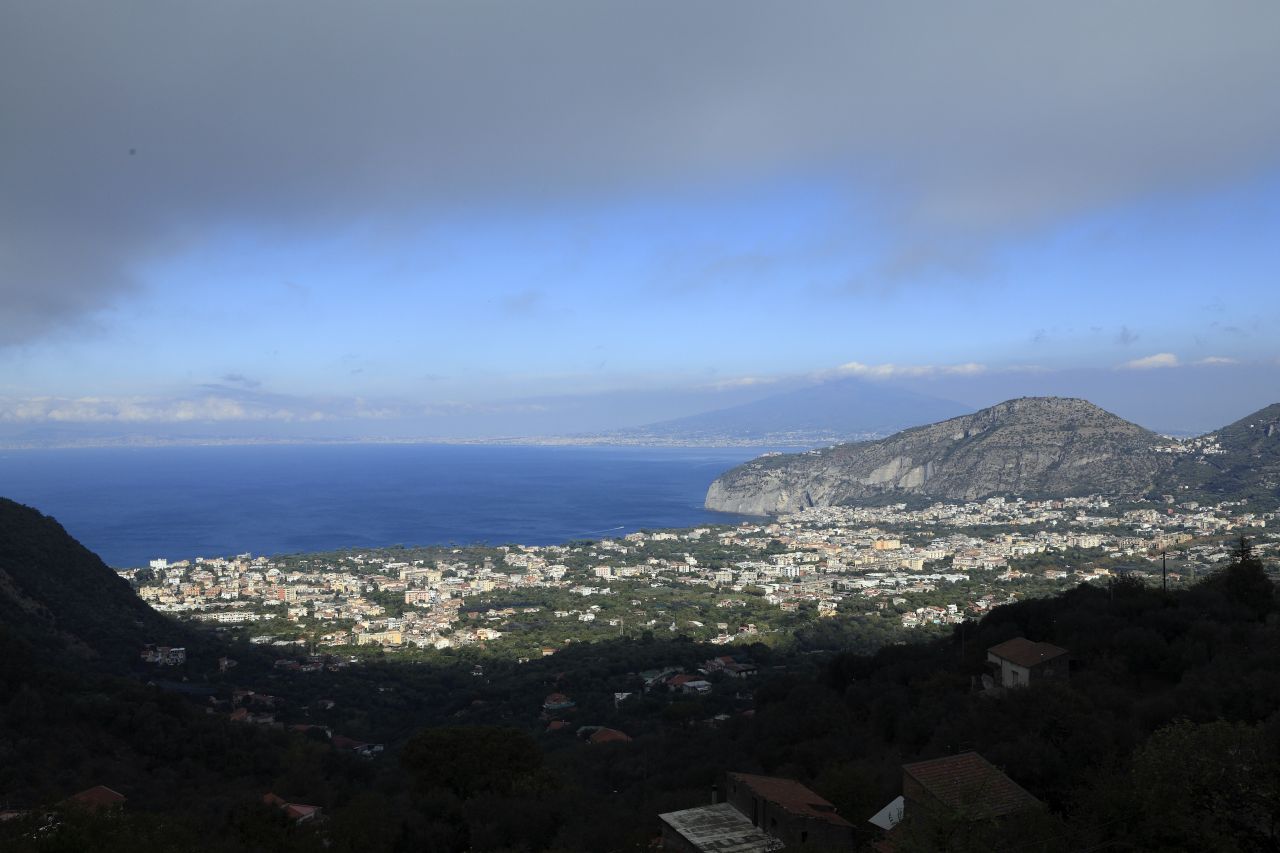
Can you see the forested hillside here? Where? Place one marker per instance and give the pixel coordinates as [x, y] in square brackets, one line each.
[1166, 736]
[57, 594]
[1244, 464]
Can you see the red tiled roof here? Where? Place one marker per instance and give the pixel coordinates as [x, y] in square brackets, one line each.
[609, 736]
[343, 742]
[791, 796]
[97, 797]
[1023, 652]
[968, 781]
[297, 811]
[300, 811]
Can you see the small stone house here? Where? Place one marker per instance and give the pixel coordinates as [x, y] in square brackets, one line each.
[965, 787]
[1019, 662]
[789, 812]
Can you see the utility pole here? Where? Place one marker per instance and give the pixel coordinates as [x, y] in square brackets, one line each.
[1164, 573]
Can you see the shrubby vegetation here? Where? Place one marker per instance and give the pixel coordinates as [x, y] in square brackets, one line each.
[1167, 735]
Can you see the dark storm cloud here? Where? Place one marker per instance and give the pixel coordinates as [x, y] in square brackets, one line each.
[132, 129]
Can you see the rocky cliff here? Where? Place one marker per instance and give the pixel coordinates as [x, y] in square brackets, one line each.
[1028, 446]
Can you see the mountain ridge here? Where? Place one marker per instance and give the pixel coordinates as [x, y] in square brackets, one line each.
[1030, 446]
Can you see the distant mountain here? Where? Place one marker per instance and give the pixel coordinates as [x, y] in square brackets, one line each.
[1029, 446]
[60, 598]
[839, 410]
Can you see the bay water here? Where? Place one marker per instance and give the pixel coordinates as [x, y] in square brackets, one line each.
[131, 505]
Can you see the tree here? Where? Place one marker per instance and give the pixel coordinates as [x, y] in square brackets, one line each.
[1244, 580]
[469, 760]
[1209, 786]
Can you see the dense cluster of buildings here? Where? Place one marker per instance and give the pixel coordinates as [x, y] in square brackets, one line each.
[909, 562]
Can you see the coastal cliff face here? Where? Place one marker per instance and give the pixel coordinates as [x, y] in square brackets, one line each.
[1029, 446]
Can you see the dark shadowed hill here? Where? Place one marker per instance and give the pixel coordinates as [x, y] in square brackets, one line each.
[61, 598]
[1162, 734]
[1030, 446]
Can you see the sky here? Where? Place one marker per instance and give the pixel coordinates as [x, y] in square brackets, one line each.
[481, 218]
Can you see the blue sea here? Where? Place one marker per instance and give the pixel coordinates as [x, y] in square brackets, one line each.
[131, 505]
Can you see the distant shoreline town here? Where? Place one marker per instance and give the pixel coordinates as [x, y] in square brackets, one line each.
[796, 443]
[888, 569]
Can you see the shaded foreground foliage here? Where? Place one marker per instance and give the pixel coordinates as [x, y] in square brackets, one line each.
[1167, 737]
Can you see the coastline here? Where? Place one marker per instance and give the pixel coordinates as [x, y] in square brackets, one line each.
[507, 441]
[131, 503]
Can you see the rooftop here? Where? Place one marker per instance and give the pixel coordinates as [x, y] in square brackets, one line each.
[604, 735]
[1023, 652]
[791, 796]
[97, 797]
[969, 782]
[720, 828]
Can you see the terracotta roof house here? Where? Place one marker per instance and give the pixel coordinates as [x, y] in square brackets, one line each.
[98, 798]
[557, 702]
[788, 811]
[965, 786]
[297, 812]
[359, 747]
[603, 735]
[966, 782]
[244, 715]
[1020, 661]
[729, 666]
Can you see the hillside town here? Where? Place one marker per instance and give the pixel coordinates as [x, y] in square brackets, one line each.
[914, 567]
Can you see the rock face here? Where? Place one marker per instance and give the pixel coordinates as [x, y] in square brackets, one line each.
[1028, 446]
